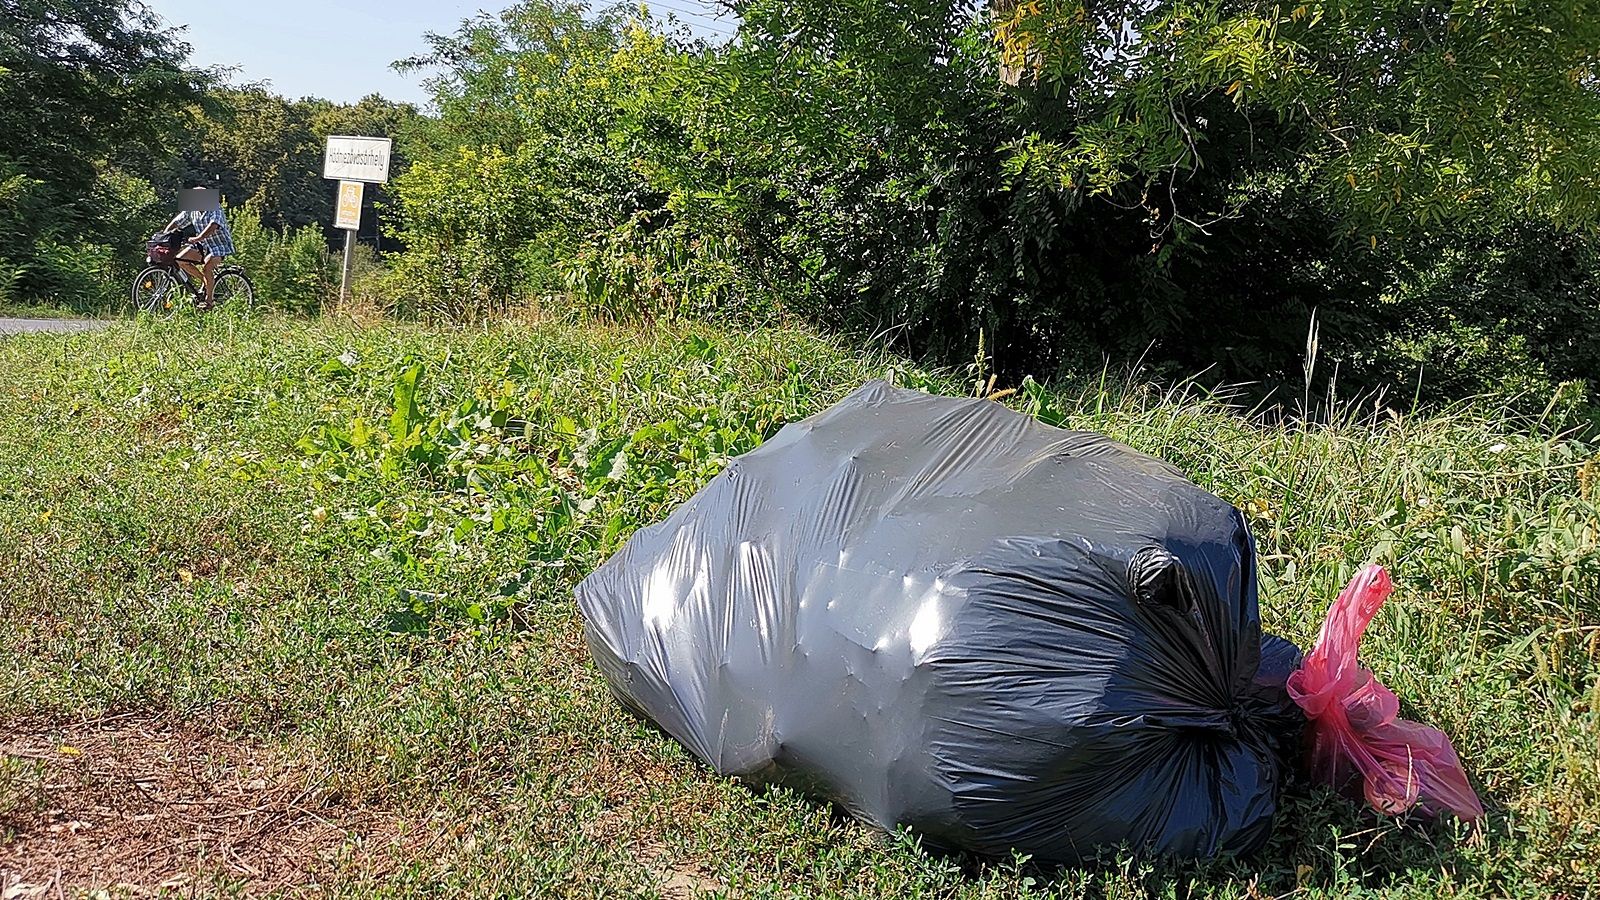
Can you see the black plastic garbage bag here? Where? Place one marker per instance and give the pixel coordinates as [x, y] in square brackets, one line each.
[943, 614]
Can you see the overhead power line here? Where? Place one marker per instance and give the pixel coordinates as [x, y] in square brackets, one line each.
[704, 20]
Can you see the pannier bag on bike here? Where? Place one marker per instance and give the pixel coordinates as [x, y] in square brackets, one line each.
[162, 248]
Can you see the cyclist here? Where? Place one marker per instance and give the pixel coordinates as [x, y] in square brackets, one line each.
[212, 241]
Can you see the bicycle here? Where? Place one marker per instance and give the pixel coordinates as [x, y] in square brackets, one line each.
[162, 282]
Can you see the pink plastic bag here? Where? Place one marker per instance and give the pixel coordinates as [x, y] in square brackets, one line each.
[1355, 730]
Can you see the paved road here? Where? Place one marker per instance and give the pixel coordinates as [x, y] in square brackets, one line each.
[55, 326]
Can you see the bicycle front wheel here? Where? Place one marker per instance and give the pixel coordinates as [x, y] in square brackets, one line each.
[234, 290]
[155, 291]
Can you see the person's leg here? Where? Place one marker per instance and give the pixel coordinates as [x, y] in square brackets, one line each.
[189, 260]
[209, 274]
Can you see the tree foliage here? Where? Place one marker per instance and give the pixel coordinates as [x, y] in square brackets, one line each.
[92, 96]
[550, 169]
[1068, 183]
[1190, 184]
[1396, 114]
[266, 151]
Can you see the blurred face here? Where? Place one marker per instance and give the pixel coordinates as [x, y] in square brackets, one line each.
[200, 200]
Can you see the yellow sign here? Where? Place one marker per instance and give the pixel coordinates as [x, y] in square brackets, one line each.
[349, 215]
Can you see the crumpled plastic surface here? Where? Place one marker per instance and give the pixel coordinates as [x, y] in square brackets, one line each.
[942, 614]
[1355, 734]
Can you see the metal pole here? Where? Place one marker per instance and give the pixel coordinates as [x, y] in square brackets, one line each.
[349, 263]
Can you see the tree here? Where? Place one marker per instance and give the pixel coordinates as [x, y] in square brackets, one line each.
[258, 148]
[1398, 115]
[266, 151]
[538, 162]
[86, 90]
[1184, 182]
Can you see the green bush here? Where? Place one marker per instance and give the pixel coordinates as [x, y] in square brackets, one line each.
[471, 222]
[47, 257]
[866, 167]
[639, 272]
[292, 270]
[554, 179]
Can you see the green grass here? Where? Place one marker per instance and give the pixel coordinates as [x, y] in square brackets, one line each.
[358, 545]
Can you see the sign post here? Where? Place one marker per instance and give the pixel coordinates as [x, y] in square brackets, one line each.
[348, 217]
[355, 162]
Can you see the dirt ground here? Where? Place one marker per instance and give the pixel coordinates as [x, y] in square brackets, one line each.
[139, 807]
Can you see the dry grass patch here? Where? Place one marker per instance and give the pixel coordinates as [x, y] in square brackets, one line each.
[140, 806]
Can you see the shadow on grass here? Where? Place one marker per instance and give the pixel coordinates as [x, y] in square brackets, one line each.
[1321, 843]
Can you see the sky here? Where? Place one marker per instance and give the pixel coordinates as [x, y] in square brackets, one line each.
[339, 49]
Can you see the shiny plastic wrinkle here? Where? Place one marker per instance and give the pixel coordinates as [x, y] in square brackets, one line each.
[941, 614]
[1355, 733]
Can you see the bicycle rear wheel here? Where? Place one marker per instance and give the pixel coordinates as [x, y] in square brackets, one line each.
[234, 290]
[155, 291]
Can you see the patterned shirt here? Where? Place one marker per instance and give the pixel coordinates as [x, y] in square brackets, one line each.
[218, 244]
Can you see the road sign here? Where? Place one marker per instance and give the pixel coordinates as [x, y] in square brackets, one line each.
[349, 212]
[357, 159]
[355, 162]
